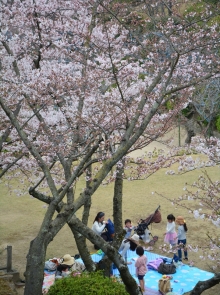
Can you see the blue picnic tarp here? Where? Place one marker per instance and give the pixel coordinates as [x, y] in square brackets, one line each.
[186, 277]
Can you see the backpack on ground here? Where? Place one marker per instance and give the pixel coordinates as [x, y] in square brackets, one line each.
[166, 269]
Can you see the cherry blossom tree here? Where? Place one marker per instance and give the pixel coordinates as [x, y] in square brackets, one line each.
[81, 87]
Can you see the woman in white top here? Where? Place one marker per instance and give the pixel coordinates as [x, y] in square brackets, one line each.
[99, 225]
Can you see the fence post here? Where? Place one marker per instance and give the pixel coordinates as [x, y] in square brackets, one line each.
[9, 258]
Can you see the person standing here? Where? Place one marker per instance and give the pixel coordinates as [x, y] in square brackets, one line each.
[141, 266]
[170, 234]
[181, 238]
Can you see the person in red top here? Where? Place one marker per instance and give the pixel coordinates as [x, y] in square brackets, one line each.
[141, 266]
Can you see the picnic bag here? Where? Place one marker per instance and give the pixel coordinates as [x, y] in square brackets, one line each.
[110, 230]
[50, 265]
[155, 217]
[154, 264]
[166, 269]
[164, 286]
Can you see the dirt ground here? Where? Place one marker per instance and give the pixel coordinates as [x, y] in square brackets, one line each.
[21, 217]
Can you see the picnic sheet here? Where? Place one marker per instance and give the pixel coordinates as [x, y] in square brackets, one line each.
[49, 279]
[186, 276]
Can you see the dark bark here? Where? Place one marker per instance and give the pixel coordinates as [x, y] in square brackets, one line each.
[117, 199]
[210, 128]
[35, 265]
[80, 239]
[190, 130]
[8, 130]
[82, 248]
[201, 286]
[117, 217]
[170, 6]
[36, 257]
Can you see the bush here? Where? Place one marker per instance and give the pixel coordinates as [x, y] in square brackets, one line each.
[217, 124]
[88, 284]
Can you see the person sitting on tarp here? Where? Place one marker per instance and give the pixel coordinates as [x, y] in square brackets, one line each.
[128, 227]
[67, 265]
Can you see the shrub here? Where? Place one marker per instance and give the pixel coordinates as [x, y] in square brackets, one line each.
[88, 284]
[218, 123]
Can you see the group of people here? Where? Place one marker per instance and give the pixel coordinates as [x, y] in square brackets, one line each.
[131, 242]
[63, 266]
[178, 238]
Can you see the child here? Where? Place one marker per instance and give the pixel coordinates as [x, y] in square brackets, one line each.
[170, 234]
[128, 227]
[181, 236]
[141, 266]
[128, 241]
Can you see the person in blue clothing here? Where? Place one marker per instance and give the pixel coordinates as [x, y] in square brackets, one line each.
[128, 228]
[181, 237]
[127, 242]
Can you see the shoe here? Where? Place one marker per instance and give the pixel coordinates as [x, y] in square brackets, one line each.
[186, 258]
[149, 248]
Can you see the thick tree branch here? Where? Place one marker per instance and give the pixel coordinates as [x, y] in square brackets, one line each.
[201, 286]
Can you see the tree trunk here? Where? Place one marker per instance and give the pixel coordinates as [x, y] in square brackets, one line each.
[83, 249]
[190, 130]
[209, 129]
[170, 5]
[80, 239]
[34, 274]
[117, 199]
[201, 286]
[117, 217]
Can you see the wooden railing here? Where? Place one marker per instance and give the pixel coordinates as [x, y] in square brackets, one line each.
[9, 259]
